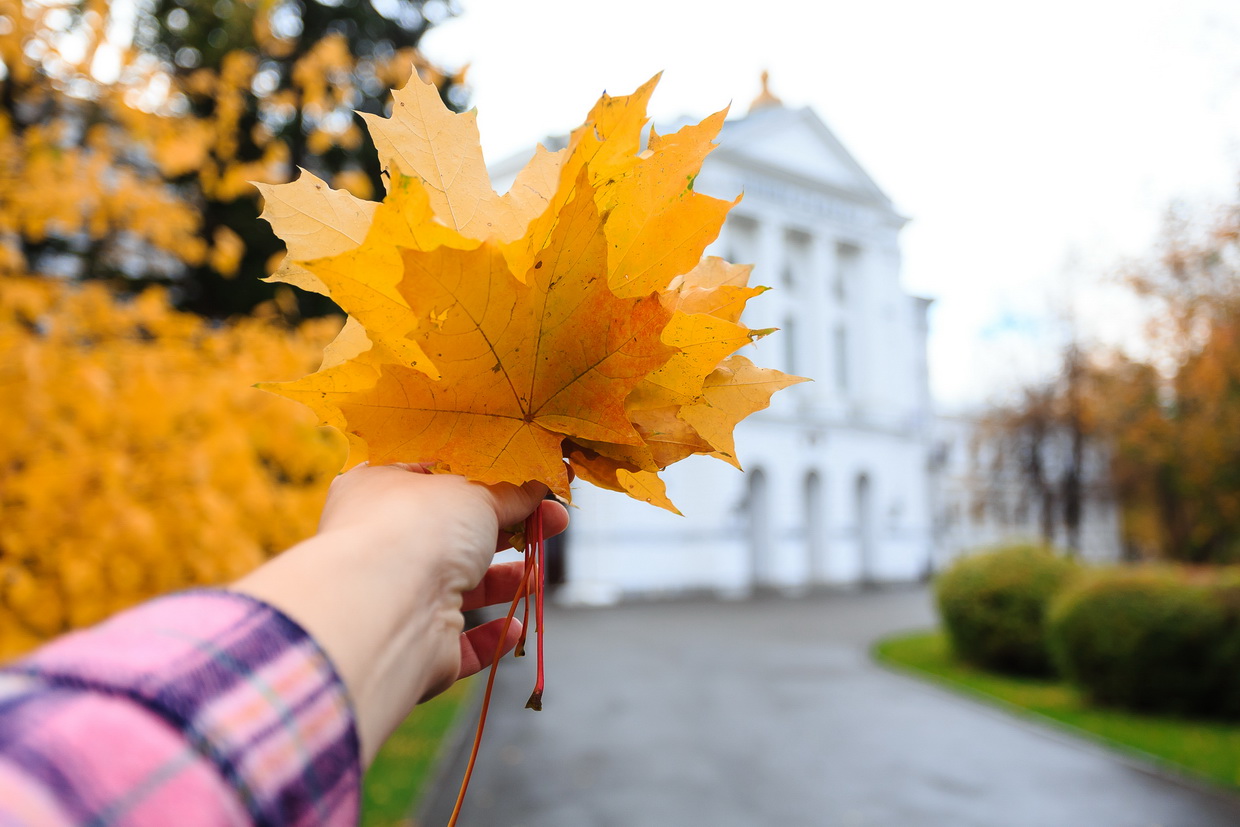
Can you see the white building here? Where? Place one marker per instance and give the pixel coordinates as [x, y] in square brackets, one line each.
[836, 487]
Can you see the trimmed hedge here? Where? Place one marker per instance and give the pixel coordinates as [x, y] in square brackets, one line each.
[994, 606]
[1152, 639]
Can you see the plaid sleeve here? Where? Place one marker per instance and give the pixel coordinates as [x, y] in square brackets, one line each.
[202, 708]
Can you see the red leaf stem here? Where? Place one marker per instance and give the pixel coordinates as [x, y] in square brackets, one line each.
[540, 588]
[519, 651]
[533, 577]
[522, 591]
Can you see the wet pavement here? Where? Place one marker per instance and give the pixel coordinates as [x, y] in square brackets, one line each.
[770, 712]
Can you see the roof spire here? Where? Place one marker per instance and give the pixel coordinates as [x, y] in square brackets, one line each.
[766, 99]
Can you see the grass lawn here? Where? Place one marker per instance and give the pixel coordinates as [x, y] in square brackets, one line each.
[1207, 749]
[395, 781]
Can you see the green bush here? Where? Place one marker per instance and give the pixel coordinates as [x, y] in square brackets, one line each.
[1152, 639]
[994, 606]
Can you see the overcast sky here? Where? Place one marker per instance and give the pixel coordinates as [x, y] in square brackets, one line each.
[1033, 145]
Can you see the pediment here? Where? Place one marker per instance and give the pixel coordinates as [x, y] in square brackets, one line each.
[798, 143]
[795, 143]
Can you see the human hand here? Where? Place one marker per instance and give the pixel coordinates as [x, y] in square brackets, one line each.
[395, 507]
[381, 587]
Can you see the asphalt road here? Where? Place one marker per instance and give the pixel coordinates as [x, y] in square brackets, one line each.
[770, 712]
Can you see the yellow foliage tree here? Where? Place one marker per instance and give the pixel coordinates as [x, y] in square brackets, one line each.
[153, 132]
[1175, 422]
[135, 458]
[76, 197]
[261, 88]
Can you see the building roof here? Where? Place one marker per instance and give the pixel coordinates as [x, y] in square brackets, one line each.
[797, 142]
[774, 139]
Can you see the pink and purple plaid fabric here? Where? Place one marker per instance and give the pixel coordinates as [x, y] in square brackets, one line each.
[202, 708]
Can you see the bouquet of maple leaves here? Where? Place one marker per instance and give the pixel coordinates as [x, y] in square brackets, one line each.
[572, 318]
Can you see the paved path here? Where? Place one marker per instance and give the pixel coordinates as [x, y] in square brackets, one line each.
[770, 713]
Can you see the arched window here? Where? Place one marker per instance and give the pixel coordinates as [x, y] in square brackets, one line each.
[815, 530]
[865, 528]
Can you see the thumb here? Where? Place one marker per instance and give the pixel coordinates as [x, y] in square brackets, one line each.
[513, 503]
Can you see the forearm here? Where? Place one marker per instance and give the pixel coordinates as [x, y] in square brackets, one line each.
[383, 619]
[381, 587]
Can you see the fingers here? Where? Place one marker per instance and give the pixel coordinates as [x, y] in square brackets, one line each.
[514, 503]
[555, 520]
[555, 517]
[511, 503]
[478, 644]
[499, 585]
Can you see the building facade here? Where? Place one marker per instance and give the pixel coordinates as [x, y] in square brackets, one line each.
[835, 489]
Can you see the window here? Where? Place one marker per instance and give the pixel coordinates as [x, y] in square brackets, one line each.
[847, 261]
[742, 239]
[796, 256]
[841, 357]
[788, 332]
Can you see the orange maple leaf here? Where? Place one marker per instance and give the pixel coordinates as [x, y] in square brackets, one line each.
[516, 373]
[495, 336]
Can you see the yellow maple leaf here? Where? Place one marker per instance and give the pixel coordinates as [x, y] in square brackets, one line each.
[607, 145]
[365, 280]
[314, 221]
[618, 476]
[736, 389]
[715, 287]
[703, 341]
[351, 364]
[423, 139]
[658, 225]
[668, 437]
